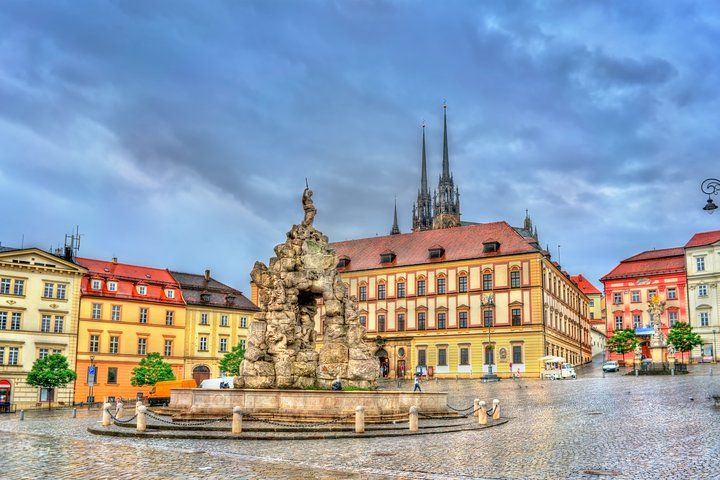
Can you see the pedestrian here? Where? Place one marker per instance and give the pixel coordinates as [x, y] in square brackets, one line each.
[417, 384]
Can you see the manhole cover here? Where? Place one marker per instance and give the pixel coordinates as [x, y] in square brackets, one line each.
[607, 473]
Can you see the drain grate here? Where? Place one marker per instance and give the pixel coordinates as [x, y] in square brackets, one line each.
[607, 473]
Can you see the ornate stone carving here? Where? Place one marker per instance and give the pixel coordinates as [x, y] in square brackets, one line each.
[656, 307]
[281, 350]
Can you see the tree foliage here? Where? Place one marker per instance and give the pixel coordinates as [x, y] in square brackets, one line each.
[230, 363]
[52, 371]
[152, 369]
[683, 338]
[622, 342]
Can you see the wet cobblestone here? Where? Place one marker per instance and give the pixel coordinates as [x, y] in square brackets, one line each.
[639, 427]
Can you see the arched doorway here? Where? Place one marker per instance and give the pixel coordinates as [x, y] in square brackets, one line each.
[5, 396]
[382, 356]
[200, 373]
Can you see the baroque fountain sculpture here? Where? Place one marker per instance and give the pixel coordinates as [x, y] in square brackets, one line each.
[281, 350]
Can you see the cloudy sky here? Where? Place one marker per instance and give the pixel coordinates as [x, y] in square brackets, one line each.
[179, 134]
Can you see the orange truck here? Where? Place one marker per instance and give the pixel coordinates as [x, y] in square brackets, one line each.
[160, 393]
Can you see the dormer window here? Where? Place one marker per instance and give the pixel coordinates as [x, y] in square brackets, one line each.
[491, 247]
[230, 299]
[204, 297]
[343, 262]
[387, 257]
[436, 251]
[169, 293]
[95, 284]
[142, 289]
[112, 286]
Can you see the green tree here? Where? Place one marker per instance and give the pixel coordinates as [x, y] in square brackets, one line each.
[49, 372]
[622, 342]
[230, 363]
[683, 338]
[152, 369]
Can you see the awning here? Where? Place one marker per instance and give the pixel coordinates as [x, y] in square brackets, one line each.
[552, 358]
[644, 331]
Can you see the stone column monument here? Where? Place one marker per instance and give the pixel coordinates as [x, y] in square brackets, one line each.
[281, 350]
[656, 307]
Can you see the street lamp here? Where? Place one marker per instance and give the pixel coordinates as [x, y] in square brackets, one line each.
[91, 381]
[711, 186]
[488, 302]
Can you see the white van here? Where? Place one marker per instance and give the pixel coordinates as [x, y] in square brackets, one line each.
[222, 382]
[556, 368]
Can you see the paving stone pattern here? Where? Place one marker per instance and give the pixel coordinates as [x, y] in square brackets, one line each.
[654, 427]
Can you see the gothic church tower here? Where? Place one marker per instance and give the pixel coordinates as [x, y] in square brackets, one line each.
[446, 207]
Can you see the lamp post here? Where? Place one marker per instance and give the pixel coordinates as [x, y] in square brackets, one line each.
[91, 381]
[711, 186]
[714, 351]
[488, 302]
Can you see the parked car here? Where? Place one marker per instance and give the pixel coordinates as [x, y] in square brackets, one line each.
[611, 366]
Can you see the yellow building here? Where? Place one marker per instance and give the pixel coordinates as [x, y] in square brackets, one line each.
[39, 301]
[126, 312]
[217, 318]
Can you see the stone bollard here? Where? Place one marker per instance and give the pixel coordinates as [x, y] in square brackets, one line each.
[482, 413]
[413, 418]
[119, 410]
[237, 420]
[74, 412]
[496, 409]
[106, 420]
[141, 420]
[138, 404]
[22, 415]
[476, 405]
[359, 419]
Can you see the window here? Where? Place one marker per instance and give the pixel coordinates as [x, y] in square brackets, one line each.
[243, 322]
[652, 293]
[363, 293]
[19, 287]
[142, 346]
[142, 289]
[592, 302]
[700, 264]
[441, 320]
[618, 322]
[702, 290]
[421, 287]
[488, 318]
[203, 319]
[45, 325]
[143, 315]
[49, 289]
[15, 321]
[422, 358]
[441, 285]
[115, 314]
[617, 298]
[489, 355]
[517, 354]
[3, 320]
[673, 317]
[704, 319]
[223, 344]
[5, 286]
[170, 293]
[514, 279]
[242, 344]
[635, 296]
[112, 375]
[96, 311]
[442, 357]
[223, 320]
[463, 319]
[169, 317]
[401, 290]
[592, 315]
[516, 318]
[13, 355]
[2, 355]
[462, 284]
[112, 286]
[381, 291]
[168, 348]
[464, 356]
[203, 344]
[381, 323]
[672, 294]
[95, 284]
[421, 320]
[636, 321]
[114, 343]
[43, 353]
[59, 321]
[487, 281]
[61, 291]
[401, 322]
[363, 320]
[94, 343]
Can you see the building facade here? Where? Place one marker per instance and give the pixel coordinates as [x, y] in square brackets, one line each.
[596, 311]
[217, 319]
[702, 263]
[630, 286]
[126, 312]
[39, 303]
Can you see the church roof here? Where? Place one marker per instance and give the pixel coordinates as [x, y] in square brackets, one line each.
[703, 239]
[459, 243]
[651, 262]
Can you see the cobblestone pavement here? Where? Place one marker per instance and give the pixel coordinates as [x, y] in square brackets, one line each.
[655, 427]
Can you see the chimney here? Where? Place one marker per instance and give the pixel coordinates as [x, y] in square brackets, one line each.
[207, 275]
[114, 260]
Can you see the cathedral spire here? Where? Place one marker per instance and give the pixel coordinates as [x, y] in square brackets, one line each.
[422, 210]
[446, 159]
[395, 228]
[423, 178]
[446, 205]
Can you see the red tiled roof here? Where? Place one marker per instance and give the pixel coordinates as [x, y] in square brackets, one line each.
[652, 262]
[704, 238]
[218, 294]
[585, 286]
[460, 243]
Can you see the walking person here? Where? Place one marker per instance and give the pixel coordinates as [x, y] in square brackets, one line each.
[417, 384]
